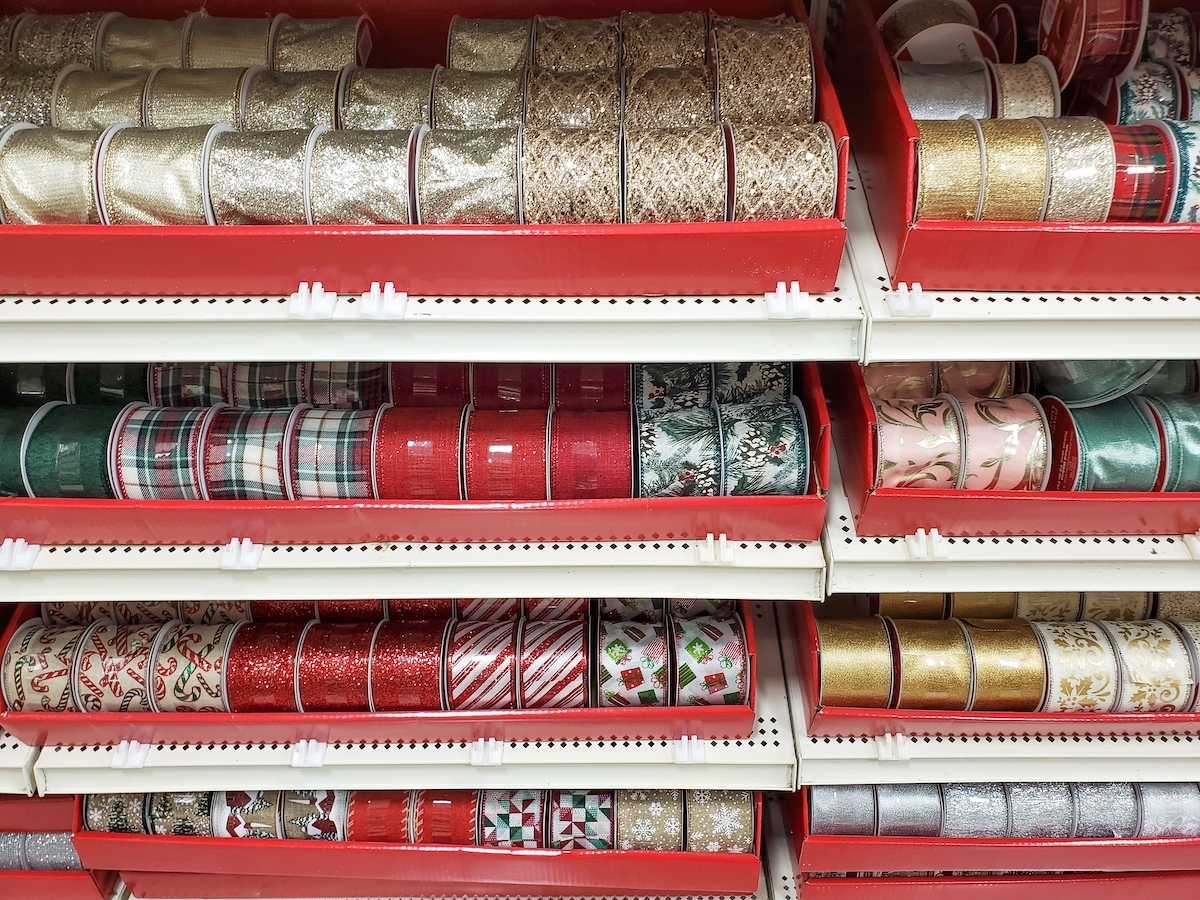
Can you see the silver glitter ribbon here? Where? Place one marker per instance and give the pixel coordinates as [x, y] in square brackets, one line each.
[489, 45]
[676, 175]
[86, 99]
[671, 40]
[47, 177]
[946, 90]
[128, 43]
[8, 25]
[468, 177]
[573, 99]
[1106, 809]
[478, 100]
[56, 40]
[974, 810]
[226, 43]
[1040, 809]
[671, 98]
[1083, 169]
[27, 95]
[385, 99]
[841, 809]
[257, 178]
[315, 45]
[909, 810]
[11, 855]
[783, 172]
[279, 101]
[157, 176]
[51, 851]
[176, 99]
[571, 175]
[576, 45]
[1169, 809]
[359, 178]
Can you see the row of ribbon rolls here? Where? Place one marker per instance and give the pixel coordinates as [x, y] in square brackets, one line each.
[696, 821]
[38, 851]
[1030, 810]
[1042, 606]
[378, 666]
[1010, 665]
[1102, 425]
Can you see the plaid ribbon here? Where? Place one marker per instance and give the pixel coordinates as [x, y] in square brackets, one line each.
[243, 454]
[1111, 32]
[331, 455]
[186, 384]
[158, 454]
[350, 385]
[268, 385]
[1144, 174]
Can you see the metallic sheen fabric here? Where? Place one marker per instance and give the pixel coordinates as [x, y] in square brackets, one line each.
[478, 100]
[841, 809]
[178, 98]
[670, 98]
[573, 99]
[56, 40]
[1025, 89]
[1016, 170]
[87, 99]
[675, 175]
[946, 91]
[47, 177]
[27, 95]
[156, 177]
[226, 43]
[747, 49]
[783, 172]
[1087, 382]
[1180, 417]
[663, 40]
[1105, 809]
[468, 177]
[903, 21]
[278, 101]
[316, 45]
[359, 178]
[386, 99]
[1009, 671]
[129, 43]
[1083, 169]
[974, 810]
[856, 662]
[489, 45]
[1040, 810]
[909, 810]
[571, 175]
[950, 170]
[576, 45]
[257, 178]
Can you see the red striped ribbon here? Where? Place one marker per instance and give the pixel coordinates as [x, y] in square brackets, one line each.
[481, 665]
[552, 671]
[490, 609]
[510, 385]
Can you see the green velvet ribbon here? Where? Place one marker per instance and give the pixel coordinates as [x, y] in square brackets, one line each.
[110, 384]
[32, 384]
[1119, 448]
[1180, 416]
[12, 433]
[67, 454]
[1088, 382]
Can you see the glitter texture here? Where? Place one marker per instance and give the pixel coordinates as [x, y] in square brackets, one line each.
[277, 101]
[97, 99]
[51, 851]
[590, 455]
[571, 175]
[122, 813]
[935, 665]
[670, 98]
[181, 814]
[406, 665]
[1017, 166]
[359, 178]
[719, 821]
[856, 663]
[258, 178]
[468, 177]
[1105, 810]
[1169, 810]
[649, 820]
[1083, 169]
[653, 40]
[155, 177]
[176, 98]
[974, 810]
[910, 19]
[950, 177]
[420, 610]
[675, 175]
[841, 809]
[227, 43]
[8, 25]
[128, 43]
[26, 95]
[385, 99]
[1023, 90]
[418, 457]
[1040, 810]
[282, 610]
[478, 100]
[112, 668]
[945, 91]
[505, 457]
[912, 605]
[38, 663]
[332, 673]
[350, 610]
[1179, 605]
[743, 50]
[261, 672]
[489, 45]
[783, 172]
[481, 662]
[909, 810]
[319, 45]
[56, 40]
[576, 45]
[573, 99]
[10, 845]
[1009, 670]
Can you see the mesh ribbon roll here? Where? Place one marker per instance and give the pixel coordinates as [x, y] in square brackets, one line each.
[711, 661]
[333, 667]
[594, 387]
[576, 45]
[127, 43]
[477, 100]
[48, 177]
[86, 99]
[590, 455]
[314, 815]
[719, 821]
[379, 817]
[37, 667]
[505, 455]
[58, 41]
[510, 385]
[1005, 444]
[320, 45]
[552, 665]
[27, 95]
[176, 98]
[920, 444]
[903, 21]
[226, 43]
[783, 172]
[431, 384]
[1016, 170]
[157, 453]
[571, 175]
[261, 673]
[573, 99]
[671, 98]
[846, 809]
[1025, 89]
[243, 455]
[157, 176]
[349, 385]
[934, 665]
[632, 664]
[406, 665]
[417, 454]
[67, 452]
[277, 101]
[1008, 670]
[743, 50]
[489, 45]
[359, 178]
[258, 178]
[949, 170]
[676, 175]
[330, 455]
[481, 665]
[468, 177]
[657, 40]
[112, 668]
[945, 91]
[268, 385]
[185, 384]
[32, 384]
[446, 817]
[12, 435]
[386, 99]
[246, 814]
[582, 820]
[679, 453]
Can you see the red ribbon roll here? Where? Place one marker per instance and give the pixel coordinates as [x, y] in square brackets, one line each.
[1112, 33]
[261, 672]
[1145, 174]
[416, 610]
[446, 817]
[430, 384]
[490, 609]
[510, 385]
[552, 671]
[282, 610]
[379, 817]
[333, 671]
[481, 665]
[406, 666]
[591, 387]
[506, 455]
[591, 455]
[350, 610]
[417, 454]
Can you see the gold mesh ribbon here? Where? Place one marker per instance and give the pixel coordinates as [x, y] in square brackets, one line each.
[380, 99]
[489, 45]
[56, 40]
[950, 170]
[468, 177]
[663, 41]
[764, 72]
[571, 175]
[88, 99]
[478, 100]
[316, 45]
[1023, 90]
[257, 177]
[670, 98]
[223, 43]
[1016, 169]
[359, 178]
[675, 175]
[128, 43]
[573, 99]
[178, 98]
[155, 177]
[576, 45]
[910, 19]
[26, 95]
[277, 101]
[1083, 169]
[783, 172]
[47, 177]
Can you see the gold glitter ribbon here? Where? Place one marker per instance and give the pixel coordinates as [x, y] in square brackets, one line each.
[983, 605]
[157, 176]
[257, 178]
[226, 43]
[56, 40]
[573, 99]
[478, 100]
[783, 172]
[663, 41]
[670, 98]
[320, 45]
[764, 71]
[468, 177]
[359, 178]
[8, 24]
[576, 45]
[1016, 170]
[48, 177]
[128, 43]
[950, 170]
[675, 175]
[278, 101]
[856, 663]
[489, 45]
[27, 95]
[1024, 90]
[179, 98]
[904, 21]
[1083, 169]
[935, 665]
[86, 99]
[912, 605]
[1010, 673]
[383, 99]
[571, 175]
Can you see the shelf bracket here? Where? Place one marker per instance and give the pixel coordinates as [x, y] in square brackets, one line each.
[892, 747]
[487, 753]
[16, 555]
[383, 303]
[689, 750]
[130, 755]
[1190, 541]
[926, 545]
[906, 302]
[311, 303]
[241, 555]
[716, 551]
[788, 302]
[309, 754]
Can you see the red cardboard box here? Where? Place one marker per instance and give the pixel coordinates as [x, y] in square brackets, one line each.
[49, 814]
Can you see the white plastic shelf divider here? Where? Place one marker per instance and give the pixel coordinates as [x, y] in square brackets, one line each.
[1022, 563]
[761, 570]
[764, 761]
[496, 329]
[970, 324]
[16, 765]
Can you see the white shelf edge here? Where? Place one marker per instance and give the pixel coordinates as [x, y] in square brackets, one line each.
[16, 765]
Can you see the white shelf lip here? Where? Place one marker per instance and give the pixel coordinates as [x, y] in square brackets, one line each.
[495, 329]
[1023, 563]
[981, 324]
[16, 765]
[762, 570]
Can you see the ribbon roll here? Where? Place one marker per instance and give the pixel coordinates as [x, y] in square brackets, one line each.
[67, 451]
[144, 612]
[591, 455]
[48, 176]
[945, 91]
[919, 444]
[983, 605]
[468, 177]
[1180, 605]
[258, 178]
[1025, 89]
[1180, 419]
[934, 665]
[903, 21]
[268, 385]
[1105, 810]
[1119, 447]
[386, 99]
[157, 177]
[333, 667]
[1170, 37]
[1111, 40]
[692, 609]
[908, 810]
[512, 818]
[314, 815]
[949, 170]
[128, 43]
[446, 817]
[38, 664]
[277, 101]
[7, 25]
[66, 613]
[675, 175]
[900, 381]
[1082, 673]
[1016, 170]
[1151, 90]
[185, 384]
[157, 453]
[663, 387]
[489, 609]
[27, 95]
[180, 814]
[911, 605]
[85, 99]
[711, 662]
[349, 385]
[379, 817]
[650, 820]
[331, 455]
[226, 43]
[406, 665]
[766, 448]
[11, 850]
[320, 45]
[679, 453]
[481, 661]
[1006, 444]
[744, 382]
[1079, 383]
[591, 387]
[552, 665]
[553, 609]
[359, 178]
[246, 814]
[1008, 671]
[573, 99]
[974, 811]
[1040, 810]
[1156, 669]
[39, 40]
[632, 664]
[743, 50]
[112, 668]
[1177, 376]
[475, 101]
[1083, 169]
[576, 45]
[489, 45]
[190, 666]
[1126, 606]
[1168, 810]
[582, 820]
[506, 455]
[855, 663]
[663, 40]
[430, 384]
[1184, 138]
[671, 98]
[121, 813]
[417, 454]
[351, 610]
[33, 384]
[179, 99]
[621, 610]
[108, 384]
[420, 610]
[975, 379]
[719, 821]
[261, 672]
[571, 176]
[1049, 606]
[200, 613]
[783, 172]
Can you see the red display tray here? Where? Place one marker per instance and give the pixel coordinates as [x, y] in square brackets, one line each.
[842, 721]
[1005, 887]
[994, 256]
[49, 814]
[231, 867]
[597, 724]
[384, 521]
[898, 511]
[512, 260]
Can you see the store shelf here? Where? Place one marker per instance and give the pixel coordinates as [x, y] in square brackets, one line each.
[16, 765]
[970, 324]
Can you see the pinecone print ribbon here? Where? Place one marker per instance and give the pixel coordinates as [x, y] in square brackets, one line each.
[746, 381]
[766, 448]
[632, 664]
[679, 453]
[711, 661]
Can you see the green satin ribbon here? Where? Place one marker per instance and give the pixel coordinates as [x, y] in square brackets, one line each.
[12, 432]
[1119, 449]
[1177, 376]
[110, 384]
[1088, 382]
[67, 454]
[32, 384]
[1180, 415]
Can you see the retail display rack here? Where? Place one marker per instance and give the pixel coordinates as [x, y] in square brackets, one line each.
[16, 765]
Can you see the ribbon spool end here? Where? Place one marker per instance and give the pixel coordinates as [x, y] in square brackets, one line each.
[487, 753]
[788, 302]
[383, 303]
[17, 555]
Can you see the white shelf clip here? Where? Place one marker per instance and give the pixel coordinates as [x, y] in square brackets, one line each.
[383, 303]
[1192, 543]
[909, 302]
[892, 747]
[309, 754]
[487, 753]
[788, 302]
[16, 555]
[689, 751]
[926, 545]
[130, 755]
[314, 303]
[716, 551]
[241, 555]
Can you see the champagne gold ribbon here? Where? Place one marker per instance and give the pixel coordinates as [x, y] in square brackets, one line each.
[675, 175]
[320, 45]
[489, 45]
[856, 663]
[950, 170]
[912, 605]
[129, 43]
[178, 98]
[226, 43]
[47, 177]
[983, 605]
[905, 20]
[576, 45]
[1009, 671]
[1156, 670]
[157, 176]
[257, 178]
[1128, 606]
[670, 98]
[573, 99]
[384, 99]
[277, 101]
[1024, 90]
[39, 40]
[935, 665]
[468, 177]
[478, 100]
[783, 172]
[86, 99]
[1083, 169]
[663, 40]
[1049, 606]
[359, 178]
[571, 175]
[746, 49]
[1016, 170]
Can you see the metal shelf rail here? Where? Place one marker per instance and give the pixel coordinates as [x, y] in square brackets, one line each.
[16, 765]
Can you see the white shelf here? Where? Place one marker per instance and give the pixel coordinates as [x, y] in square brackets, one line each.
[497, 329]
[968, 324]
[764, 761]
[762, 570]
[16, 765]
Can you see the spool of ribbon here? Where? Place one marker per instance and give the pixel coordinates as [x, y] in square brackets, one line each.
[69, 613]
[855, 663]
[1170, 36]
[212, 42]
[66, 451]
[386, 99]
[331, 455]
[125, 43]
[1168, 809]
[692, 609]
[1079, 383]
[180, 814]
[1016, 170]
[13, 423]
[12, 854]
[1049, 606]
[27, 95]
[676, 175]
[975, 379]
[1111, 39]
[257, 178]
[974, 811]
[186, 384]
[571, 175]
[181, 98]
[157, 176]
[1145, 174]
[743, 49]
[446, 817]
[359, 178]
[1040, 810]
[1105, 810]
[481, 660]
[1025, 89]
[38, 665]
[949, 170]
[679, 453]
[1156, 668]
[650, 820]
[351, 610]
[33, 384]
[591, 455]
[1179, 416]
[84, 99]
[261, 673]
[919, 444]
[552, 665]
[380, 817]
[573, 99]
[1008, 671]
[1082, 673]
[420, 610]
[189, 668]
[556, 609]
[945, 91]
[320, 45]
[505, 455]
[783, 172]
[663, 387]
[314, 815]
[934, 662]
[7, 25]
[766, 448]
[1005, 444]
[156, 453]
[333, 667]
[662, 40]
[719, 821]
[406, 665]
[349, 385]
[1178, 605]
[743, 382]
[112, 384]
[632, 664]
[489, 45]
[268, 385]
[900, 381]
[50, 40]
[591, 387]
[246, 814]
[468, 177]
[512, 818]
[576, 45]
[112, 668]
[430, 384]
[121, 813]
[983, 605]
[1125, 606]
[1151, 90]
[1118, 447]
[477, 101]
[671, 98]
[418, 454]
[711, 662]
[631, 610]
[277, 101]
[910, 605]
[143, 612]
[48, 176]
[908, 810]
[903, 21]
[282, 610]
[511, 385]
[489, 609]
[1177, 376]
[845, 809]
[582, 820]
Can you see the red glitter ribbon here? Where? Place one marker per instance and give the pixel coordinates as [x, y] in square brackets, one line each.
[416, 610]
[417, 454]
[406, 666]
[379, 817]
[552, 670]
[1111, 34]
[261, 672]
[333, 671]
[446, 817]
[1145, 174]
[282, 610]
[430, 384]
[591, 455]
[591, 387]
[510, 385]
[481, 665]
[489, 609]
[506, 455]
[350, 610]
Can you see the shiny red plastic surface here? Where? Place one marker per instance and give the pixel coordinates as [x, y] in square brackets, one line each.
[49, 814]
[1005, 887]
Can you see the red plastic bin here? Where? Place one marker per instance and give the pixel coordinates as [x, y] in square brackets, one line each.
[49, 814]
[1004, 887]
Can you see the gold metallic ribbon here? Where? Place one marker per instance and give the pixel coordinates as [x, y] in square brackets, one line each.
[1016, 170]
[129, 43]
[489, 45]
[316, 45]
[27, 95]
[1083, 169]
[1024, 90]
[1179, 605]
[912, 605]
[935, 665]
[56, 40]
[178, 98]
[783, 172]
[856, 663]
[257, 178]
[670, 98]
[226, 43]
[576, 45]
[950, 170]
[571, 175]
[278, 101]
[675, 175]
[663, 40]
[87, 99]
[573, 99]
[48, 176]
[468, 177]
[477, 100]
[905, 20]
[745, 52]
[1009, 671]
[384, 99]
[157, 176]
[983, 605]
[359, 178]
